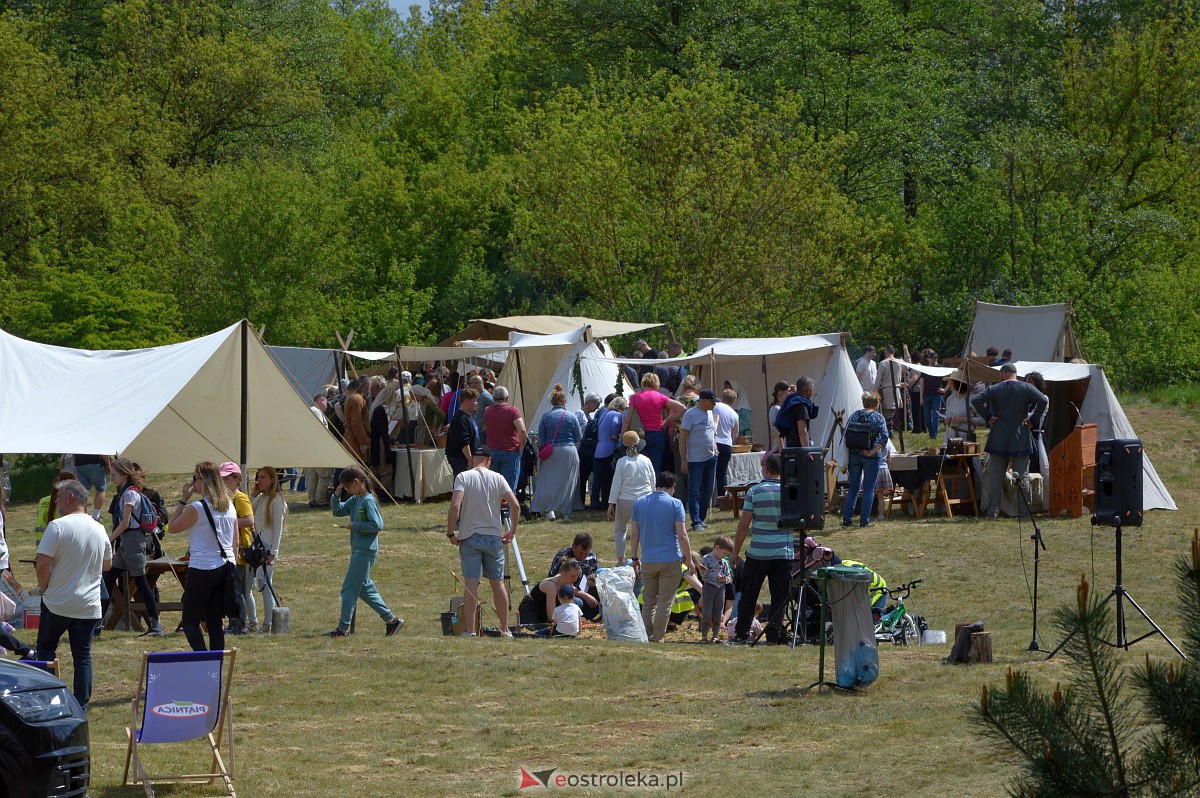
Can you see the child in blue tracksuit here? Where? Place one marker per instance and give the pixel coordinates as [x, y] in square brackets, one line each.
[355, 501]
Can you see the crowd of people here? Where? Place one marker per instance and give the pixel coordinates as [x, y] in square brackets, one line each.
[623, 455]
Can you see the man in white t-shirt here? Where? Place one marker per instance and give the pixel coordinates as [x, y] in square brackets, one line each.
[727, 424]
[865, 369]
[475, 511]
[71, 559]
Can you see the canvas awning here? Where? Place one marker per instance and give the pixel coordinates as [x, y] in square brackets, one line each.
[219, 397]
[498, 329]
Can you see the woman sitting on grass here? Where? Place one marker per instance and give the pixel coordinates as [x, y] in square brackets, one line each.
[544, 597]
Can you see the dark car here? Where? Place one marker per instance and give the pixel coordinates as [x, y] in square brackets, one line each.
[43, 735]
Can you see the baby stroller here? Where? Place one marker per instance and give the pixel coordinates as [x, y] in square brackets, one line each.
[802, 614]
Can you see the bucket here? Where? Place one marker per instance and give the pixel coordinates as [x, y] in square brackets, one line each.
[933, 637]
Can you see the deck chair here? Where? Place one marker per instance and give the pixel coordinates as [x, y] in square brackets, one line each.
[50, 666]
[183, 696]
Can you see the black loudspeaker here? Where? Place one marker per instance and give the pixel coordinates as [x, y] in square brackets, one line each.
[1119, 482]
[802, 488]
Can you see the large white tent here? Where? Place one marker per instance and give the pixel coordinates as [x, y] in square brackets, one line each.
[1039, 333]
[220, 397]
[758, 363]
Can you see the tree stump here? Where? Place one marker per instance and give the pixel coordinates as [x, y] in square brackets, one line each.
[981, 648]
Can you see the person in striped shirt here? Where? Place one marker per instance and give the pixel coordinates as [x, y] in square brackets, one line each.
[769, 556]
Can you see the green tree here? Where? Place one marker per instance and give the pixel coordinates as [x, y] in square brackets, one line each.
[678, 199]
[268, 245]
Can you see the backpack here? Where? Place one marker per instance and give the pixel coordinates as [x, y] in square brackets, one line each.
[160, 508]
[858, 435]
[145, 516]
[591, 433]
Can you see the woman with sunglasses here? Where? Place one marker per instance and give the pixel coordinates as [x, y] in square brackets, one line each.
[211, 524]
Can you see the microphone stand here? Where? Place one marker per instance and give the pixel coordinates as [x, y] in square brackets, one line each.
[1039, 545]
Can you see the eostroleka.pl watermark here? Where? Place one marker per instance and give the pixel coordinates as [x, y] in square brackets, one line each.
[620, 780]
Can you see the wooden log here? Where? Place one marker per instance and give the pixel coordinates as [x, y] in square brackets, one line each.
[981, 648]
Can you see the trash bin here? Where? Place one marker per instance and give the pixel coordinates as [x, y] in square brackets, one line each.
[844, 592]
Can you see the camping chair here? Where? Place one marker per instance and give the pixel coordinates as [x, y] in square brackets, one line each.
[181, 696]
[50, 666]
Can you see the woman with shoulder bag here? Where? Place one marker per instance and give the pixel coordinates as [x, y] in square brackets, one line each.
[558, 474]
[211, 524]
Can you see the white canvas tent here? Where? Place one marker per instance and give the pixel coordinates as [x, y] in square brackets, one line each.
[220, 397]
[1080, 394]
[758, 363]
[1039, 333]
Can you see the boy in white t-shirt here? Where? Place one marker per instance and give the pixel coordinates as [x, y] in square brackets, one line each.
[565, 621]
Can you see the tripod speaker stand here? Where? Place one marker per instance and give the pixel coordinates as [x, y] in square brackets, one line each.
[1119, 496]
[1122, 595]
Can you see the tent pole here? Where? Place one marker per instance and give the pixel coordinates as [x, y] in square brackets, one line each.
[516, 353]
[766, 393]
[245, 396]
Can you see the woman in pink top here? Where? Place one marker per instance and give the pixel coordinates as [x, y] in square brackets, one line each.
[656, 411]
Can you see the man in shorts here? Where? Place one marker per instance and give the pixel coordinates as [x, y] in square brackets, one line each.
[92, 471]
[476, 512]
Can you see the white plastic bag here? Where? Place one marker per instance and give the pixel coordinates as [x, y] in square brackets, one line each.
[622, 615]
[8, 608]
[11, 588]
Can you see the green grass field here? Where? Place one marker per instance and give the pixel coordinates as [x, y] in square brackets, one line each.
[423, 714]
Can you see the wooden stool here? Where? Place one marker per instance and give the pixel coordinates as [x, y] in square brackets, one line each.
[948, 481]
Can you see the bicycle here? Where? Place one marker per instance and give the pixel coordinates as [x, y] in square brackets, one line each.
[895, 624]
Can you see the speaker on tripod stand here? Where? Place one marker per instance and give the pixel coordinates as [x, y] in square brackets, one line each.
[1119, 482]
[1119, 504]
[802, 488]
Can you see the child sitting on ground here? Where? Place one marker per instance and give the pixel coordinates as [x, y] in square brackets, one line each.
[565, 621]
[717, 575]
[755, 625]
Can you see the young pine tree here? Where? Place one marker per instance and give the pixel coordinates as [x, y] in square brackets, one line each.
[1111, 731]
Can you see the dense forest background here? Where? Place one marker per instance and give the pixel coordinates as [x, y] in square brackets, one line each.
[729, 167]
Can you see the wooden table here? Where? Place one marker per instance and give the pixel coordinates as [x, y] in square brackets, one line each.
[933, 478]
[738, 493]
[136, 610]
